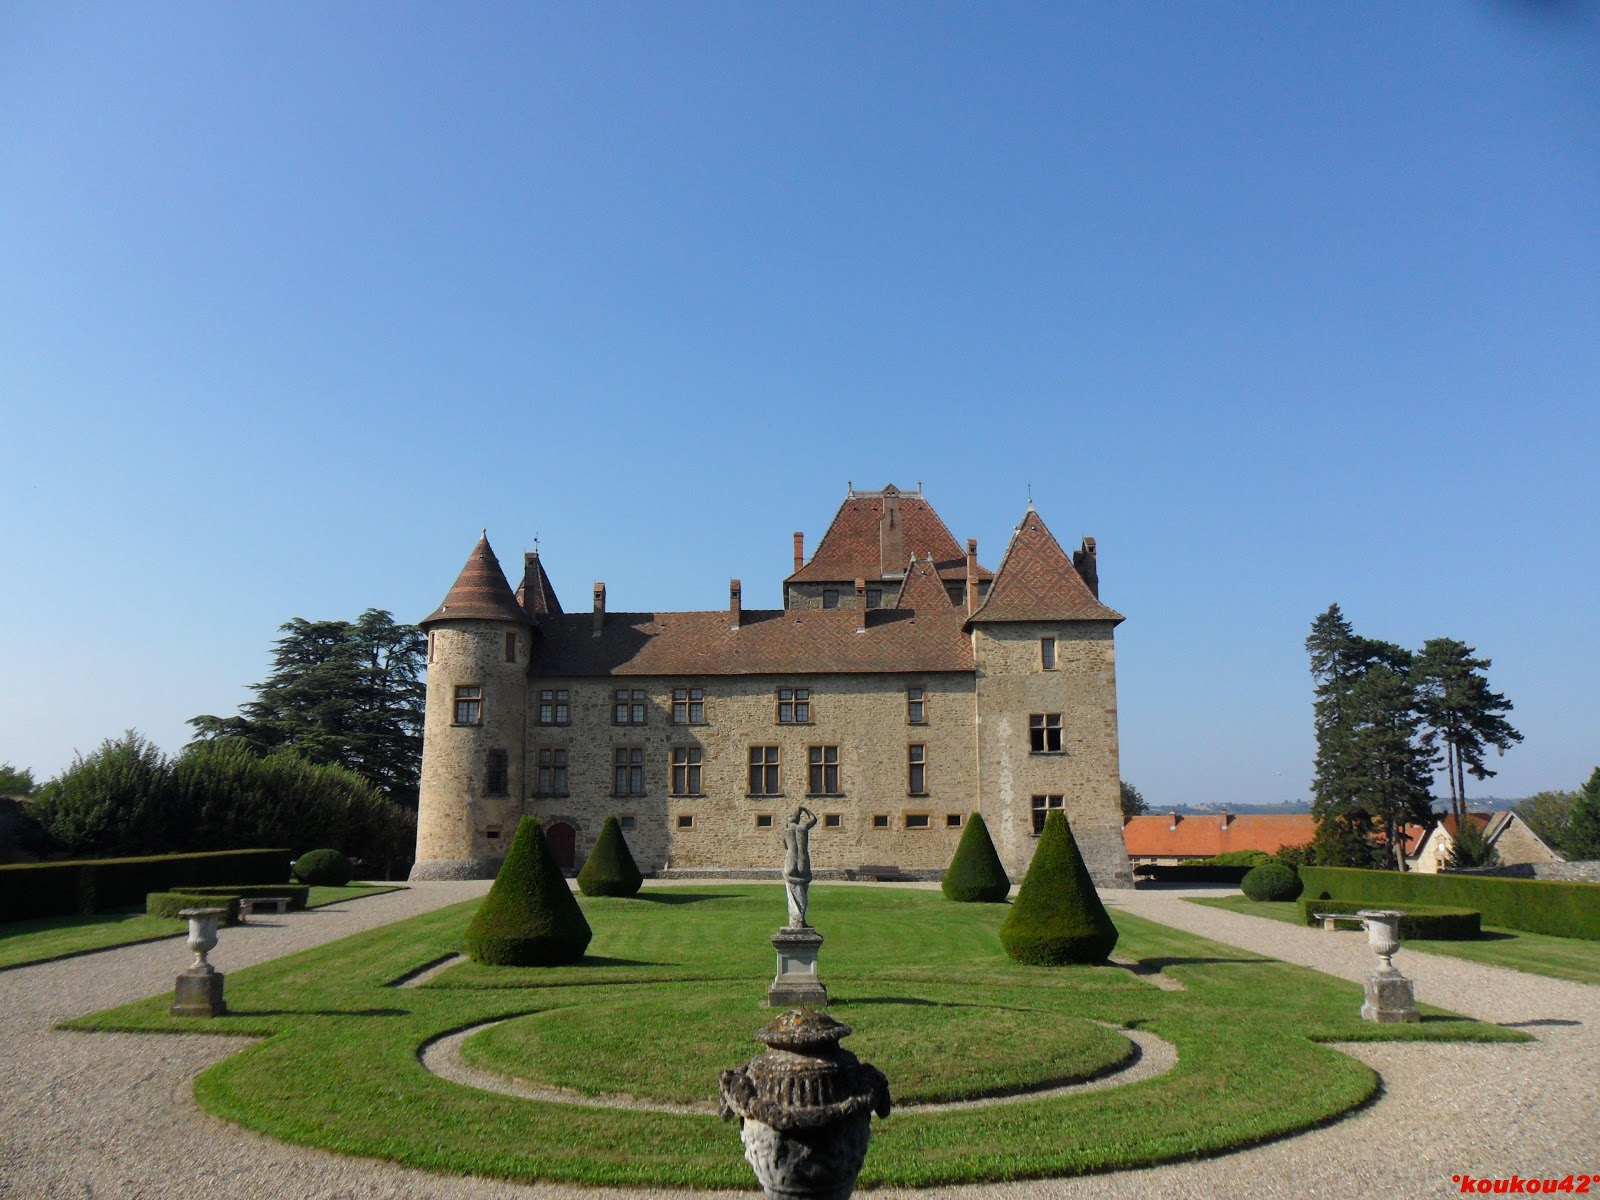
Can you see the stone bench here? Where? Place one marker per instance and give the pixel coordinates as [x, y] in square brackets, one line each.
[249, 904]
[881, 874]
[1331, 920]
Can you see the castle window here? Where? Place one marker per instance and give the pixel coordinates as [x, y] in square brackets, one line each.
[952, 820]
[686, 770]
[916, 820]
[553, 706]
[832, 820]
[764, 771]
[794, 706]
[880, 820]
[824, 770]
[830, 597]
[685, 820]
[626, 822]
[763, 820]
[917, 769]
[552, 773]
[1047, 653]
[430, 645]
[874, 597]
[688, 706]
[1041, 808]
[469, 704]
[492, 833]
[494, 782]
[628, 771]
[957, 593]
[916, 707]
[1044, 733]
[511, 647]
[627, 707]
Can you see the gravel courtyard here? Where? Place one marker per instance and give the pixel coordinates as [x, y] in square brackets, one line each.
[101, 1116]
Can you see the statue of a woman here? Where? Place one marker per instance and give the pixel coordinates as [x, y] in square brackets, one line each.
[797, 863]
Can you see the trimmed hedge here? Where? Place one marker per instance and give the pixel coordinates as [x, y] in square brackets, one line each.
[1536, 905]
[1271, 881]
[298, 893]
[1420, 920]
[1057, 917]
[324, 868]
[530, 917]
[54, 889]
[976, 874]
[610, 870]
[170, 904]
[1191, 873]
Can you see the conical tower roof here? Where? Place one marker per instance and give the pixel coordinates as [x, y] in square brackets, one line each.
[480, 592]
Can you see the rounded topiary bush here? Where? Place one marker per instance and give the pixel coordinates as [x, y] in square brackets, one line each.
[976, 874]
[530, 917]
[1057, 917]
[324, 868]
[610, 870]
[1271, 881]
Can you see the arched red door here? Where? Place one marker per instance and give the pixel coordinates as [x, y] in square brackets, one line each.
[563, 841]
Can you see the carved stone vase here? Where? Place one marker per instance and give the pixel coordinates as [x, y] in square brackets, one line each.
[805, 1108]
[1390, 999]
[199, 989]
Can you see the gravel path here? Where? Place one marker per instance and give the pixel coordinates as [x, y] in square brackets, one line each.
[97, 1116]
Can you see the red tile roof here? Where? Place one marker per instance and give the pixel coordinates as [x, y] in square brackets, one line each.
[922, 589]
[480, 592]
[1205, 835]
[850, 550]
[767, 642]
[1037, 582]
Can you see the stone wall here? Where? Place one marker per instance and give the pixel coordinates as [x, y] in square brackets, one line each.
[1014, 685]
[1568, 872]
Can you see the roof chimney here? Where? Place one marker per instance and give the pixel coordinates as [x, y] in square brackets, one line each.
[1225, 818]
[799, 549]
[733, 603]
[972, 576]
[861, 606]
[1088, 566]
[891, 537]
[599, 606]
[1175, 819]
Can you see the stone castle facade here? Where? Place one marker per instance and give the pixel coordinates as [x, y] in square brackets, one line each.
[901, 687]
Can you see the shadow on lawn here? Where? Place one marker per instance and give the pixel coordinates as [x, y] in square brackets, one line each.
[1150, 966]
[318, 1012]
[682, 897]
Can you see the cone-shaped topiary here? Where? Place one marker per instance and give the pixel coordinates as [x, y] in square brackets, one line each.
[610, 870]
[976, 873]
[1057, 916]
[530, 917]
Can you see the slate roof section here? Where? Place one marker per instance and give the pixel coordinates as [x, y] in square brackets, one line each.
[480, 592]
[1037, 582]
[1209, 834]
[536, 594]
[767, 642]
[850, 549]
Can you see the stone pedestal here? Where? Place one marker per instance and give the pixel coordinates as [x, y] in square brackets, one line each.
[1390, 1000]
[198, 994]
[797, 984]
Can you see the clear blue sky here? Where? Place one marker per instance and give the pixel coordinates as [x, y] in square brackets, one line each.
[1285, 304]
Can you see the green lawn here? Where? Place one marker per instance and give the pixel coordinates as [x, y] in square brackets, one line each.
[39, 940]
[678, 976]
[1537, 953]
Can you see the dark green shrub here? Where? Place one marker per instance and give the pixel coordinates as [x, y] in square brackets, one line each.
[298, 893]
[610, 870]
[1536, 905]
[1057, 916]
[118, 800]
[323, 868]
[1421, 920]
[1271, 881]
[530, 917]
[170, 904]
[976, 874]
[87, 886]
[1303, 855]
[1238, 858]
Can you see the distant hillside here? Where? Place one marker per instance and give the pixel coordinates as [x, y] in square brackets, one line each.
[1287, 808]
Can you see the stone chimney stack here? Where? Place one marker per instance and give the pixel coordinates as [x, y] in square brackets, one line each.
[799, 549]
[861, 606]
[1175, 819]
[599, 606]
[891, 537]
[972, 576]
[1225, 818]
[1088, 565]
[733, 603]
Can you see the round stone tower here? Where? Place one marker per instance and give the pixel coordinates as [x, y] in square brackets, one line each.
[474, 734]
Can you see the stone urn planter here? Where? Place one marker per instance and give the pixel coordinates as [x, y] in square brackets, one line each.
[199, 989]
[1390, 999]
[805, 1108]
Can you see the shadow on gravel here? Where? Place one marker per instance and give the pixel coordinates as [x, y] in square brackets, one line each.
[1540, 1023]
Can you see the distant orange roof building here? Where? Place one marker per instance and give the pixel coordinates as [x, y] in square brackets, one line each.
[1175, 838]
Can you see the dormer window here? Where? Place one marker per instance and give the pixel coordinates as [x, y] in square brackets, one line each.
[830, 597]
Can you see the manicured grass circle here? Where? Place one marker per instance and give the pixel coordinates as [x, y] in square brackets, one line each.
[670, 1045]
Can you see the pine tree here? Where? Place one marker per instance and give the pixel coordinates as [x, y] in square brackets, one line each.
[1582, 839]
[1057, 917]
[1460, 711]
[976, 874]
[610, 870]
[1133, 803]
[1470, 848]
[530, 917]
